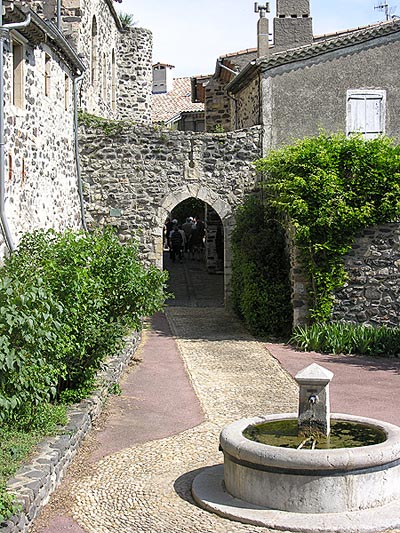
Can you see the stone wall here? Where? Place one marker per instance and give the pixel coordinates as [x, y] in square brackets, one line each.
[41, 188]
[122, 82]
[135, 178]
[248, 106]
[372, 293]
[219, 111]
[96, 93]
[135, 75]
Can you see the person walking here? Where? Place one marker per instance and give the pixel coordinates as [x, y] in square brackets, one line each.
[187, 228]
[177, 243]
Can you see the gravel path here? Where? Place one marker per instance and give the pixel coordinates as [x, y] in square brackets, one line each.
[146, 487]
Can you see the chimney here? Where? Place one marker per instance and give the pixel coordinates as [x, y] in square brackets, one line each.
[162, 78]
[292, 24]
[262, 30]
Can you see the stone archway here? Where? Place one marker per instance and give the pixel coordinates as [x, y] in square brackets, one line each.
[222, 208]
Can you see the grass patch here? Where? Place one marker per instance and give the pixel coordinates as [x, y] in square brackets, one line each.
[17, 443]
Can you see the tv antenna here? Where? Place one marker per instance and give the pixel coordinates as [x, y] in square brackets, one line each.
[263, 10]
[384, 6]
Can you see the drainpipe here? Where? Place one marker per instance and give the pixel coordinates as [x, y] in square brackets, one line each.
[59, 14]
[4, 36]
[76, 142]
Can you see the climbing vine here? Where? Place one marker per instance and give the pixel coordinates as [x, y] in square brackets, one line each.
[107, 126]
[328, 188]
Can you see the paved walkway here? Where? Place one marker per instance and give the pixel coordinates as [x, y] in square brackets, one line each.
[134, 472]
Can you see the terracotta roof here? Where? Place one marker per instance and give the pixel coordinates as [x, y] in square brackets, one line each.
[166, 106]
[239, 53]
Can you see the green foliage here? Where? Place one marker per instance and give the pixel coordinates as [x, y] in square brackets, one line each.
[218, 128]
[127, 20]
[16, 443]
[260, 270]
[348, 338]
[328, 188]
[115, 389]
[66, 302]
[107, 126]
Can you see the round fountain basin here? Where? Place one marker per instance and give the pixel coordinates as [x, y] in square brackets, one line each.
[312, 481]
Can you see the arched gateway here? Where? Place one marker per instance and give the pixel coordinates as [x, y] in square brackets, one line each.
[135, 176]
[221, 207]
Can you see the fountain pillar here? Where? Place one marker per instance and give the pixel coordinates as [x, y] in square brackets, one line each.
[314, 409]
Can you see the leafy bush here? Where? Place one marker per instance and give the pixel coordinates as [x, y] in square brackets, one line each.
[260, 271]
[66, 302]
[328, 188]
[348, 338]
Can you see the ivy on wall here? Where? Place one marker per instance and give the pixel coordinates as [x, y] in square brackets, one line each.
[328, 188]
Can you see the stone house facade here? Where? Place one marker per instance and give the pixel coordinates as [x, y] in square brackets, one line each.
[344, 81]
[53, 66]
[39, 173]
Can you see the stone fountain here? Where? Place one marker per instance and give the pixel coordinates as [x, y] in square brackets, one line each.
[347, 489]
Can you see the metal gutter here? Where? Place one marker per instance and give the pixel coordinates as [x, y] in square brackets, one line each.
[241, 80]
[49, 33]
[76, 80]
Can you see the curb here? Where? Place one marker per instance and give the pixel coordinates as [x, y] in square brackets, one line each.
[34, 482]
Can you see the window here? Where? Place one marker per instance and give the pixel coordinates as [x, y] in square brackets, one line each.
[93, 71]
[47, 72]
[18, 74]
[66, 92]
[104, 69]
[366, 112]
[113, 82]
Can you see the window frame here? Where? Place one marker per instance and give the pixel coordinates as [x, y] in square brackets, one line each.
[371, 95]
[18, 73]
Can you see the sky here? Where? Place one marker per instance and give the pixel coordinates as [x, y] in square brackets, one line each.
[192, 34]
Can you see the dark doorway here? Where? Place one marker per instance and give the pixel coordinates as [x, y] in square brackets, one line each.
[197, 277]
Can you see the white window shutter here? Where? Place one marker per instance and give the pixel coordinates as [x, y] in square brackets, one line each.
[366, 112]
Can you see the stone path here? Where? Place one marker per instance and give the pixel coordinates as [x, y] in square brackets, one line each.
[146, 487]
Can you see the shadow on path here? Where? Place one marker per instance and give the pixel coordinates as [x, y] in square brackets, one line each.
[192, 285]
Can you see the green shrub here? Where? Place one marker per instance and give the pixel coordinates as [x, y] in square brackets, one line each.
[66, 302]
[348, 338]
[328, 188]
[260, 271]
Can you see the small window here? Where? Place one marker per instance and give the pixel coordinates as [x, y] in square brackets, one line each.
[93, 69]
[113, 82]
[104, 68]
[18, 74]
[366, 112]
[66, 92]
[47, 74]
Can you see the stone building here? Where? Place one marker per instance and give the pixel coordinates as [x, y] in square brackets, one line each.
[39, 169]
[65, 56]
[172, 104]
[344, 81]
[299, 84]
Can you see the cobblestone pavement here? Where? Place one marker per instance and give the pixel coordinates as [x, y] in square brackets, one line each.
[146, 488]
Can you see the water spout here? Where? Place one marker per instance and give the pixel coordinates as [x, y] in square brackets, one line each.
[314, 408]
